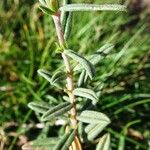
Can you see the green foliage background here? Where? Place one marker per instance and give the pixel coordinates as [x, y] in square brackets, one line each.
[27, 43]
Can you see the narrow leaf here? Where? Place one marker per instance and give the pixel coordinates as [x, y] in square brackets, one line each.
[45, 74]
[69, 140]
[43, 144]
[94, 117]
[97, 56]
[68, 26]
[58, 75]
[81, 78]
[42, 2]
[86, 93]
[64, 15]
[94, 132]
[61, 142]
[65, 141]
[46, 10]
[93, 7]
[84, 62]
[100, 54]
[89, 127]
[40, 107]
[56, 111]
[104, 143]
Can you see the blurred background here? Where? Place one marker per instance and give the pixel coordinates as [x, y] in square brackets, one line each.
[27, 43]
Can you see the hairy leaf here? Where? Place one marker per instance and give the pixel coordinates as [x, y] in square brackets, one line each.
[58, 75]
[43, 144]
[96, 130]
[69, 140]
[81, 78]
[46, 10]
[86, 93]
[68, 26]
[89, 127]
[93, 7]
[64, 15]
[40, 107]
[93, 117]
[97, 56]
[104, 143]
[65, 141]
[56, 111]
[42, 2]
[84, 62]
[45, 74]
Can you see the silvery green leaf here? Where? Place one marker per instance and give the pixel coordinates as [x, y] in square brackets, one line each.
[65, 141]
[93, 7]
[40, 144]
[86, 93]
[58, 75]
[68, 26]
[61, 142]
[89, 127]
[105, 49]
[69, 140]
[46, 10]
[45, 74]
[40, 107]
[104, 143]
[96, 130]
[56, 111]
[45, 142]
[64, 15]
[89, 116]
[84, 62]
[97, 56]
[81, 78]
[42, 2]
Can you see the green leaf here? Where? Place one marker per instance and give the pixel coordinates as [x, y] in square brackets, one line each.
[95, 130]
[53, 4]
[89, 116]
[58, 75]
[40, 107]
[56, 111]
[46, 10]
[42, 2]
[43, 143]
[68, 26]
[69, 140]
[86, 93]
[104, 143]
[45, 74]
[89, 127]
[64, 15]
[100, 54]
[93, 7]
[97, 56]
[84, 62]
[81, 78]
[65, 141]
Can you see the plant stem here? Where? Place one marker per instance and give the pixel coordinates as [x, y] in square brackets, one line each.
[70, 83]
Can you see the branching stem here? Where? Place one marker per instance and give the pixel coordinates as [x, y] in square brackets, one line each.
[70, 83]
